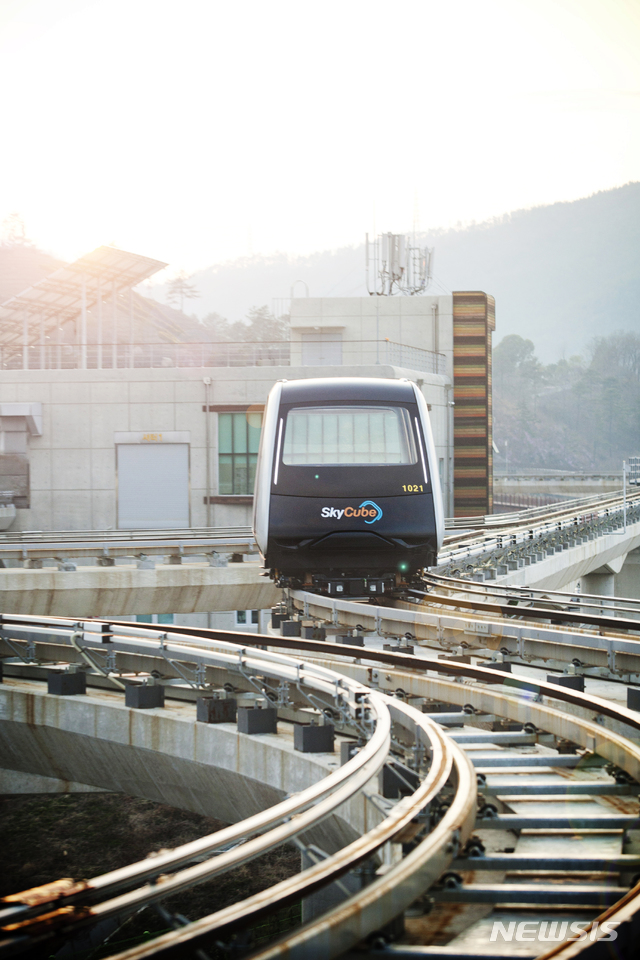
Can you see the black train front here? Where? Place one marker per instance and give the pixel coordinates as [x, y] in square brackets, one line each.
[347, 495]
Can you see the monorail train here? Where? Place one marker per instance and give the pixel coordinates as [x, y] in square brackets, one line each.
[347, 495]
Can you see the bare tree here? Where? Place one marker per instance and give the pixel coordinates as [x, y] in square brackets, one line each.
[180, 290]
[14, 232]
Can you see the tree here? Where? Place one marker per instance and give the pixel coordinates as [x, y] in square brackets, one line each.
[263, 325]
[180, 289]
[619, 350]
[14, 232]
[514, 351]
[260, 326]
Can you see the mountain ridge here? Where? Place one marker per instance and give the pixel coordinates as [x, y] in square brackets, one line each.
[561, 274]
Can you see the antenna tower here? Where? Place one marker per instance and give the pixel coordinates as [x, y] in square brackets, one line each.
[396, 266]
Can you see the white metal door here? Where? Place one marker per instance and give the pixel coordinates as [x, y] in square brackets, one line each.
[153, 485]
[321, 349]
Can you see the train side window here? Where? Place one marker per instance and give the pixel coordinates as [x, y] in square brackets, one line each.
[241, 616]
[238, 442]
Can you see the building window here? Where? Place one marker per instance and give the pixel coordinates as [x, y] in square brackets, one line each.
[241, 616]
[254, 616]
[154, 618]
[238, 440]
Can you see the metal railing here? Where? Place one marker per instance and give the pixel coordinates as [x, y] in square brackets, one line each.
[271, 353]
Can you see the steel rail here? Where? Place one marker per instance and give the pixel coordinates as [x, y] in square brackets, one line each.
[118, 546]
[400, 817]
[380, 902]
[519, 592]
[473, 545]
[397, 660]
[517, 518]
[522, 516]
[511, 611]
[491, 634]
[29, 537]
[111, 544]
[592, 735]
[291, 816]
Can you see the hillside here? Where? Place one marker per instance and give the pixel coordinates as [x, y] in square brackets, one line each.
[561, 274]
[581, 415]
[21, 266]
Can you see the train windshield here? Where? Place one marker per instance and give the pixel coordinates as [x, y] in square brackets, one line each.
[349, 436]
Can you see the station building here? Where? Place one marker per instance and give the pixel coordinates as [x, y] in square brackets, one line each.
[115, 415]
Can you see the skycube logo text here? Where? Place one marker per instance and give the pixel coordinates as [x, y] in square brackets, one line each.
[553, 931]
[368, 511]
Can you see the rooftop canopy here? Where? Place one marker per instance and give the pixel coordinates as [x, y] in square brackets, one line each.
[74, 289]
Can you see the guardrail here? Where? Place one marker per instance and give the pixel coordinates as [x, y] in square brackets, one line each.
[521, 540]
[106, 545]
[529, 513]
[243, 353]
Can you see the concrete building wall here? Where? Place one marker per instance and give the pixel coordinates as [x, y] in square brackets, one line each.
[72, 464]
[448, 334]
[363, 322]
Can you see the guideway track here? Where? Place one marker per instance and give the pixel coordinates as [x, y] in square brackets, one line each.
[513, 595]
[508, 604]
[416, 678]
[488, 633]
[87, 903]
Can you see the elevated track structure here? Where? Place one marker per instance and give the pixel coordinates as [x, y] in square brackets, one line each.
[473, 789]
[444, 763]
[116, 573]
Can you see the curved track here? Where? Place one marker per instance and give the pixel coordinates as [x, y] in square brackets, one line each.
[511, 797]
[507, 739]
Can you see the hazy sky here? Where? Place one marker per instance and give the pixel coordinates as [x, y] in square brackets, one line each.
[198, 131]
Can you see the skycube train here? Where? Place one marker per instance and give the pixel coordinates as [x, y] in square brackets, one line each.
[347, 495]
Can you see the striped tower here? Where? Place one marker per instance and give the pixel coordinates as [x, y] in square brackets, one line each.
[473, 323]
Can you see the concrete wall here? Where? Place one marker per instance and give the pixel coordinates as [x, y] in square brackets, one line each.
[166, 756]
[424, 322]
[627, 582]
[73, 463]
[122, 591]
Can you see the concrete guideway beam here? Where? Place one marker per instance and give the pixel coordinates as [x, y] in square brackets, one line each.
[482, 636]
[123, 590]
[394, 888]
[163, 755]
[576, 562]
[75, 544]
[33, 718]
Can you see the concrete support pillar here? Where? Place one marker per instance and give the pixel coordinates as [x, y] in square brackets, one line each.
[602, 585]
[628, 580]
